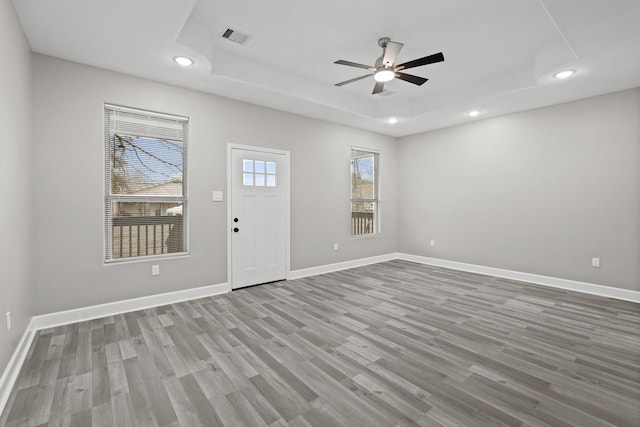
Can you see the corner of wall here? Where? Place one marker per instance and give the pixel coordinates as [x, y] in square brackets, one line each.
[16, 241]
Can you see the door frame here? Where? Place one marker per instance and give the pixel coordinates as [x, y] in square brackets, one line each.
[287, 195]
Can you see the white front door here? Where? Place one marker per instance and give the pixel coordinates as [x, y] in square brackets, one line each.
[258, 216]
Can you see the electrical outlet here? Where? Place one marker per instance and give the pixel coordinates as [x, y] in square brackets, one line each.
[335, 246]
[595, 262]
[155, 270]
[432, 243]
[8, 316]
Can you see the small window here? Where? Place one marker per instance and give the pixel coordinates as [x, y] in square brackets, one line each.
[364, 192]
[146, 184]
[258, 173]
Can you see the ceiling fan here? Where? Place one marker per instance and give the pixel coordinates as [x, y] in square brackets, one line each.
[385, 70]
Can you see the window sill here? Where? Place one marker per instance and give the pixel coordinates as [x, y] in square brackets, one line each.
[365, 236]
[136, 260]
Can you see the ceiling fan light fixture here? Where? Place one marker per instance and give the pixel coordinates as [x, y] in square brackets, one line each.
[564, 74]
[386, 69]
[384, 76]
[183, 61]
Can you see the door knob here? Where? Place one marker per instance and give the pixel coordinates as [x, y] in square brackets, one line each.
[236, 229]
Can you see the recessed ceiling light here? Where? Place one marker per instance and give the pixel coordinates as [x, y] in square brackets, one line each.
[383, 76]
[392, 120]
[564, 74]
[183, 60]
[474, 113]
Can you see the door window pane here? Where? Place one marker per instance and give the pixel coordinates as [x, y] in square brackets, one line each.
[258, 173]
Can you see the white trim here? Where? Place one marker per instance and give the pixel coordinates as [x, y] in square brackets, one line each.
[552, 282]
[10, 374]
[147, 258]
[118, 307]
[287, 155]
[330, 268]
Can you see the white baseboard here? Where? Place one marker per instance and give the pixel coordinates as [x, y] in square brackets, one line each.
[330, 268]
[10, 374]
[109, 309]
[553, 282]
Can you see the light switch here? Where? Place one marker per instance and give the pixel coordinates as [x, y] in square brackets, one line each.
[217, 196]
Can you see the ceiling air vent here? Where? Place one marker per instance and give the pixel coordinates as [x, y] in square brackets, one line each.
[235, 36]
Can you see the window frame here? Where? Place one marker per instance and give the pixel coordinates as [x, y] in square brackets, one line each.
[377, 223]
[109, 198]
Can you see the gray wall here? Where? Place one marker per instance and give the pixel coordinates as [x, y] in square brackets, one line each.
[69, 159]
[541, 191]
[16, 290]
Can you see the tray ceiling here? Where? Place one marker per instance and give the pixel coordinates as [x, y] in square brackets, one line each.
[500, 55]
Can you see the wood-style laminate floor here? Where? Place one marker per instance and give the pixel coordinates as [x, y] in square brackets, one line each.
[392, 344]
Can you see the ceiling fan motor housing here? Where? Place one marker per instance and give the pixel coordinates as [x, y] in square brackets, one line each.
[382, 41]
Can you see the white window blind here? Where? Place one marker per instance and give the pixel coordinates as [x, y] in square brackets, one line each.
[146, 201]
[365, 203]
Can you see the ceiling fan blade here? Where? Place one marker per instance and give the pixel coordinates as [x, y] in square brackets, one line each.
[391, 53]
[436, 57]
[416, 80]
[352, 80]
[354, 64]
[379, 87]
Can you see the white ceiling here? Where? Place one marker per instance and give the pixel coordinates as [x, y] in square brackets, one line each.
[500, 55]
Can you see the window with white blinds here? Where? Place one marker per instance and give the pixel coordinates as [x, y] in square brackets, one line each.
[146, 201]
[365, 203]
